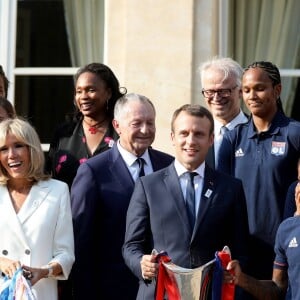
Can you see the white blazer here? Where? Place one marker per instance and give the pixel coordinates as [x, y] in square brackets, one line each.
[40, 233]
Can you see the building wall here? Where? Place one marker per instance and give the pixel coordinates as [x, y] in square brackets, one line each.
[155, 48]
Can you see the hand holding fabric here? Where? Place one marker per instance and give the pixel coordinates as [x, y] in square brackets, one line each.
[9, 266]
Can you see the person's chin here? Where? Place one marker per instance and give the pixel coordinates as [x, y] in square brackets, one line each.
[221, 111]
[190, 165]
[191, 160]
[88, 113]
[257, 110]
[144, 143]
[140, 149]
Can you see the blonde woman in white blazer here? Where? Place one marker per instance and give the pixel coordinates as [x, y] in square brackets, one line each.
[36, 230]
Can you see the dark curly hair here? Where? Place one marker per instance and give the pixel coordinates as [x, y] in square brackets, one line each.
[111, 81]
[5, 79]
[8, 107]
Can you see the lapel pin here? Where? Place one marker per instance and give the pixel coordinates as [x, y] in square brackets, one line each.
[208, 193]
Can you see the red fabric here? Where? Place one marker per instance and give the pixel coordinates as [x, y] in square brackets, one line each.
[228, 289]
[165, 282]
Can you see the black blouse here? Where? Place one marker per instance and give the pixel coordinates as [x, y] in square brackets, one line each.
[69, 149]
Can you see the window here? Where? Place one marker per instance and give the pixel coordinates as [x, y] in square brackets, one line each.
[40, 58]
[41, 42]
[261, 30]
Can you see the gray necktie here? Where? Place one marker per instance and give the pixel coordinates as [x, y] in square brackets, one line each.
[141, 163]
[190, 198]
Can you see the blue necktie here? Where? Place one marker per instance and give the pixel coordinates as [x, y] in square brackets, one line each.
[223, 130]
[141, 163]
[190, 198]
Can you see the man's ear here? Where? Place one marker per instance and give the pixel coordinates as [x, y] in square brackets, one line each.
[116, 126]
[172, 137]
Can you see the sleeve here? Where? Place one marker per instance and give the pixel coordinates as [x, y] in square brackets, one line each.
[241, 240]
[51, 153]
[280, 255]
[63, 130]
[84, 196]
[137, 238]
[225, 157]
[290, 205]
[63, 249]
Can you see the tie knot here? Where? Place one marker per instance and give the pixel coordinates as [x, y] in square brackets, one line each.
[141, 161]
[223, 130]
[192, 175]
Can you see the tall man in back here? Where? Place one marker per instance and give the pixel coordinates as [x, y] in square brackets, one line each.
[161, 216]
[221, 89]
[100, 197]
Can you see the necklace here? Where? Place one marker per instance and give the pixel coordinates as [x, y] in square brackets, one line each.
[93, 129]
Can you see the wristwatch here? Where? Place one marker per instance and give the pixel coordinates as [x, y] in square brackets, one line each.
[50, 270]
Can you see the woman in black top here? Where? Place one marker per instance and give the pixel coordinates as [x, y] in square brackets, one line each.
[96, 92]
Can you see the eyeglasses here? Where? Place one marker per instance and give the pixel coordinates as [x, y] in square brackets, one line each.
[222, 92]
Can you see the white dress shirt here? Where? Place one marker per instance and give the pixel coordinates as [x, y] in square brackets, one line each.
[198, 181]
[132, 164]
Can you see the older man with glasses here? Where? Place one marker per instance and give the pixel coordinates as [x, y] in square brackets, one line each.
[221, 83]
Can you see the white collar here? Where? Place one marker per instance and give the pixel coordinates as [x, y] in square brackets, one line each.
[239, 119]
[180, 169]
[130, 158]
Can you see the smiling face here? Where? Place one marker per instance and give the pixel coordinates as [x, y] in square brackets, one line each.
[259, 94]
[91, 95]
[223, 109]
[191, 138]
[15, 158]
[136, 127]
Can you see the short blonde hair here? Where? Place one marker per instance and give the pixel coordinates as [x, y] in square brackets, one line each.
[26, 134]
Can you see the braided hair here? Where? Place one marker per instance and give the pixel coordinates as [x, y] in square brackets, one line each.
[273, 74]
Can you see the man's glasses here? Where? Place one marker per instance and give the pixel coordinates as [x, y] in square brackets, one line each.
[222, 92]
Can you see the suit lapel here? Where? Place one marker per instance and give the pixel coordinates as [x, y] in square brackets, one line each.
[34, 199]
[155, 161]
[208, 191]
[10, 218]
[210, 157]
[119, 169]
[173, 186]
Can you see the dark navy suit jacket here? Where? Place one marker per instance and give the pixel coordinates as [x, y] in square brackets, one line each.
[100, 197]
[157, 218]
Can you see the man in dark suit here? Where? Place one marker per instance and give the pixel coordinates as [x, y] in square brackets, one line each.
[221, 80]
[158, 213]
[100, 197]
